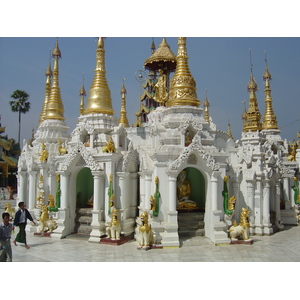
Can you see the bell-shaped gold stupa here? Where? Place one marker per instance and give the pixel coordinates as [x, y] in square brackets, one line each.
[183, 85]
[99, 99]
[55, 108]
[270, 120]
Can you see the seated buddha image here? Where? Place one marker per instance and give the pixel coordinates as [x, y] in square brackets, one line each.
[184, 192]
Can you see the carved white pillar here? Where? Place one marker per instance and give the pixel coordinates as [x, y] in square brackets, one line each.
[172, 192]
[134, 188]
[65, 177]
[250, 201]
[97, 189]
[214, 190]
[32, 190]
[142, 190]
[266, 207]
[22, 190]
[148, 179]
[286, 193]
[277, 205]
[124, 205]
[236, 193]
[52, 184]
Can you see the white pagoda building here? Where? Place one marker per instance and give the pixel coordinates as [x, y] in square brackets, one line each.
[178, 155]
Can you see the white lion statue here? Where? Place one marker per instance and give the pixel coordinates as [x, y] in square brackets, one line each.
[144, 232]
[113, 231]
[243, 229]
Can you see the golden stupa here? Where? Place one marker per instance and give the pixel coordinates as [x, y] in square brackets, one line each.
[183, 85]
[99, 98]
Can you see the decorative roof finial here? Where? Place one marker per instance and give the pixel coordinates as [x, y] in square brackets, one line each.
[152, 46]
[269, 121]
[229, 131]
[123, 114]
[206, 105]
[252, 122]
[82, 94]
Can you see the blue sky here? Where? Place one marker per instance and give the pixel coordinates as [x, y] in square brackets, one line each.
[219, 33]
[220, 66]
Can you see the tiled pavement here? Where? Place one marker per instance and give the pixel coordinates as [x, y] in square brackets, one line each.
[284, 246]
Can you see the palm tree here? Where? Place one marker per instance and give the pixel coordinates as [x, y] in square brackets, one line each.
[20, 105]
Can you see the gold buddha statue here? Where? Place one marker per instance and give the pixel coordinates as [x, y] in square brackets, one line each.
[184, 192]
[161, 88]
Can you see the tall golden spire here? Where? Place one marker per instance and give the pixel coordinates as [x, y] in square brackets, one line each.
[269, 121]
[183, 85]
[229, 131]
[206, 110]
[253, 115]
[123, 114]
[55, 108]
[82, 94]
[48, 75]
[99, 99]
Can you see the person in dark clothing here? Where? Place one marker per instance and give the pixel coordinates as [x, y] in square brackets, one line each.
[5, 235]
[21, 220]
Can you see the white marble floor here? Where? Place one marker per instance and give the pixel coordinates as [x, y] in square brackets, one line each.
[283, 246]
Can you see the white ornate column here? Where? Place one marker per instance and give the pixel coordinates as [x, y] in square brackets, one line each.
[172, 192]
[148, 180]
[22, 190]
[214, 190]
[64, 179]
[142, 190]
[277, 206]
[124, 204]
[267, 226]
[215, 226]
[286, 193]
[97, 204]
[65, 224]
[52, 183]
[250, 201]
[32, 190]
[170, 235]
[133, 194]
[236, 192]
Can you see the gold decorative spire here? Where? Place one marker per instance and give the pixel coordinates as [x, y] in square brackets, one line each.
[269, 121]
[55, 108]
[206, 110]
[48, 75]
[183, 85]
[252, 121]
[229, 131]
[123, 114]
[99, 99]
[152, 46]
[82, 94]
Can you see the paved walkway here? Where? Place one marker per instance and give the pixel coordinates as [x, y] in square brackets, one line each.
[284, 246]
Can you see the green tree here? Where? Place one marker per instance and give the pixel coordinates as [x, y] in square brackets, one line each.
[20, 105]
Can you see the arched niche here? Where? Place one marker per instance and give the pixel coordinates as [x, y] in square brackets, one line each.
[84, 187]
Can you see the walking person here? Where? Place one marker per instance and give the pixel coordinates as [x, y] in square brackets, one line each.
[21, 220]
[5, 236]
